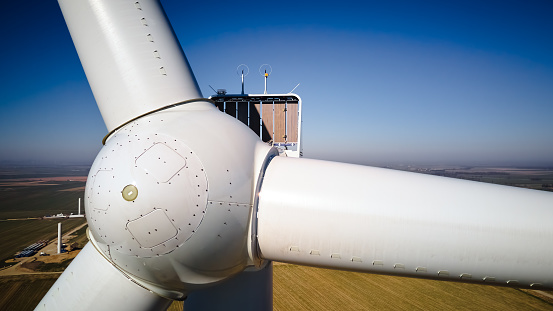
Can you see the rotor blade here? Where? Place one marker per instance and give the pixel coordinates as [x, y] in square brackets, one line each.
[249, 290]
[131, 56]
[92, 283]
[384, 221]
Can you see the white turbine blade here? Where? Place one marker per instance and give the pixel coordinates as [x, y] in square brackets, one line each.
[131, 57]
[92, 283]
[249, 290]
[384, 221]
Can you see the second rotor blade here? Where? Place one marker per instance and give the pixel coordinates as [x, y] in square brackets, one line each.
[131, 56]
[384, 221]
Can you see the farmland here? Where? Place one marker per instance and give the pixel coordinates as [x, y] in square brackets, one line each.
[40, 200]
[24, 292]
[35, 192]
[306, 288]
[39, 191]
[23, 286]
[17, 234]
[532, 178]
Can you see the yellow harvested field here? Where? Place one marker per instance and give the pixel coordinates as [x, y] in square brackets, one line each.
[306, 288]
[24, 292]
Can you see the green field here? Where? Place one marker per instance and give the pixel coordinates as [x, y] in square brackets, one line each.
[18, 234]
[37, 171]
[38, 201]
[21, 200]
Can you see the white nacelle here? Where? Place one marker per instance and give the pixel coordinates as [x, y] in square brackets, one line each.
[169, 220]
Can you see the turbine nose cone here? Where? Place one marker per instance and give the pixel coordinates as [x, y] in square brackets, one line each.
[147, 194]
[165, 217]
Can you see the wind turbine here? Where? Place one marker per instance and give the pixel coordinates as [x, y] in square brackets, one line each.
[184, 201]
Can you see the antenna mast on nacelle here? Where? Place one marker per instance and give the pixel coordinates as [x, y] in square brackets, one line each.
[263, 72]
[240, 71]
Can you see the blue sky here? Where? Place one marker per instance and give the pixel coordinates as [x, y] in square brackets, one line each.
[432, 82]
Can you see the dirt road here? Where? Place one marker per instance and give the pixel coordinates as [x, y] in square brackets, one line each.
[51, 249]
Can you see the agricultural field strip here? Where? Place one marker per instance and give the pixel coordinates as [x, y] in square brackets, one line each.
[40, 200]
[414, 295]
[39, 181]
[16, 235]
[13, 270]
[24, 292]
[306, 288]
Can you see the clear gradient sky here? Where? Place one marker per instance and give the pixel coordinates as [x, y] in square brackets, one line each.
[383, 82]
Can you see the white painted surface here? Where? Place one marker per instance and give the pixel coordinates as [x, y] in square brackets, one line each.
[195, 170]
[92, 283]
[152, 229]
[132, 59]
[193, 186]
[172, 192]
[391, 222]
[59, 237]
[310, 212]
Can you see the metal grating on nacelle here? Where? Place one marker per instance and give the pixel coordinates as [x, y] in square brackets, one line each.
[275, 118]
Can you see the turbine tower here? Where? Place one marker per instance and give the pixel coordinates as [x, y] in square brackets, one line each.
[184, 201]
[59, 237]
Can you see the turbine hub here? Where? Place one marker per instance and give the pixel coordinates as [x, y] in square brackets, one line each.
[172, 201]
[169, 198]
